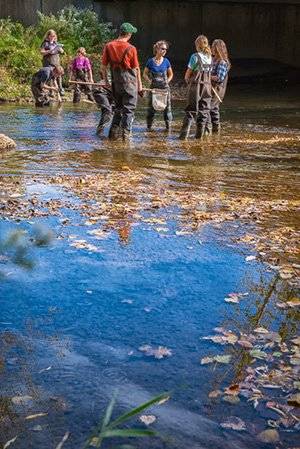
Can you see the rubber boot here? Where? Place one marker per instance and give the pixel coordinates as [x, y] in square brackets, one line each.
[216, 128]
[149, 123]
[114, 132]
[168, 125]
[104, 120]
[200, 131]
[126, 135]
[185, 128]
[90, 97]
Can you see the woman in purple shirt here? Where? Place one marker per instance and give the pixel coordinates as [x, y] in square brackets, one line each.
[81, 70]
[158, 72]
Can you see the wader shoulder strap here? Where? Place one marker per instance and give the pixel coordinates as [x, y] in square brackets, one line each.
[121, 61]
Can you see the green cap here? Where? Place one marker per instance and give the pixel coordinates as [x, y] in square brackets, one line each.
[127, 28]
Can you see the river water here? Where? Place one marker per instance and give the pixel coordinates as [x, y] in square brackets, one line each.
[146, 240]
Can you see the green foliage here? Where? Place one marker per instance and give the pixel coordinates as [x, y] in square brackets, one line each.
[108, 428]
[76, 28]
[20, 46]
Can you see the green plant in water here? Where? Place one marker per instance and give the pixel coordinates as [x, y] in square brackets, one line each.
[110, 429]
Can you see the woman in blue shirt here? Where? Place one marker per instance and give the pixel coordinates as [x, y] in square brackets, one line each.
[158, 72]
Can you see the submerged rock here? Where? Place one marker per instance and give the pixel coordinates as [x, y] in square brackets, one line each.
[6, 143]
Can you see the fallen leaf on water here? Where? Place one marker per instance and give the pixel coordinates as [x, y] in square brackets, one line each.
[231, 399]
[294, 302]
[8, 443]
[21, 400]
[45, 369]
[147, 419]
[294, 400]
[295, 360]
[258, 354]
[296, 341]
[215, 394]
[163, 400]
[245, 344]
[269, 436]
[222, 358]
[216, 358]
[158, 353]
[261, 330]
[37, 415]
[234, 423]
[64, 439]
[233, 390]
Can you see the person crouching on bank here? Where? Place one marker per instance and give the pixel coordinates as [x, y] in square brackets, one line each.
[158, 72]
[44, 82]
[126, 81]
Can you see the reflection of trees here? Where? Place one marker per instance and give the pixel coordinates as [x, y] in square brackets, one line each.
[279, 326]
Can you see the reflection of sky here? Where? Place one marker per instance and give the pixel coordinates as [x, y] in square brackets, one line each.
[177, 288]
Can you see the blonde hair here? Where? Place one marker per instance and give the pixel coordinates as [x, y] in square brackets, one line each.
[48, 34]
[201, 44]
[159, 44]
[220, 51]
[82, 51]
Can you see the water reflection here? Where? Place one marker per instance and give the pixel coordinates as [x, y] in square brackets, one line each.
[151, 237]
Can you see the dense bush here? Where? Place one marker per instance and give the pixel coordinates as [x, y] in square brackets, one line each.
[20, 46]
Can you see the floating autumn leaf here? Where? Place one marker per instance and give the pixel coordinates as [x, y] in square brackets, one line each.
[223, 339]
[36, 415]
[158, 353]
[261, 330]
[9, 442]
[147, 419]
[233, 390]
[245, 343]
[216, 358]
[294, 400]
[233, 400]
[235, 297]
[258, 354]
[234, 423]
[21, 400]
[296, 341]
[222, 358]
[215, 394]
[294, 302]
[269, 436]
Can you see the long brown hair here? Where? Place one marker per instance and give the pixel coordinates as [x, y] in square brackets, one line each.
[201, 44]
[220, 51]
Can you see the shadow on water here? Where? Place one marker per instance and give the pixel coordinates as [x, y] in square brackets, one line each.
[150, 239]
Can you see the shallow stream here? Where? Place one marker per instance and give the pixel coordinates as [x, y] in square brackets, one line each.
[147, 240]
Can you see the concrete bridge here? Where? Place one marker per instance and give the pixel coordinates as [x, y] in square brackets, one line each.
[253, 29]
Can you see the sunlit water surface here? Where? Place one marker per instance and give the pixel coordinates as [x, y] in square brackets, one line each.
[75, 322]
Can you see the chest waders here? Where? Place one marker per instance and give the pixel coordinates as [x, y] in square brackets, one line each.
[82, 75]
[220, 88]
[54, 61]
[41, 96]
[124, 90]
[105, 101]
[198, 102]
[159, 81]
